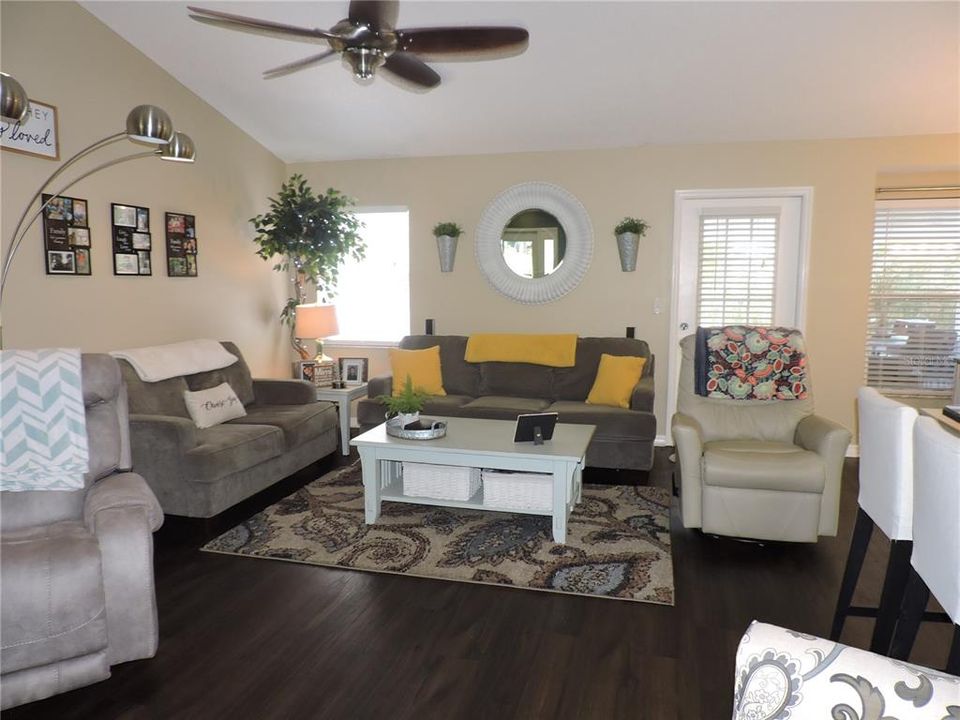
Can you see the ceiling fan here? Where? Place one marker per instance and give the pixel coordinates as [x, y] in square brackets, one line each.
[369, 39]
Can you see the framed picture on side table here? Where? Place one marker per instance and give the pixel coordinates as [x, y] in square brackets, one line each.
[306, 370]
[353, 371]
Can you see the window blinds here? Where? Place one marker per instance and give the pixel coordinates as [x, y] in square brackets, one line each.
[914, 316]
[738, 262]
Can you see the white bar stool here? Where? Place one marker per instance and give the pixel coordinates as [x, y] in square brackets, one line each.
[936, 538]
[885, 501]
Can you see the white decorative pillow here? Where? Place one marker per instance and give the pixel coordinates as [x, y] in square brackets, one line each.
[213, 406]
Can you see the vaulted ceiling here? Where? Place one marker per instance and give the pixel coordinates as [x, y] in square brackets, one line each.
[596, 74]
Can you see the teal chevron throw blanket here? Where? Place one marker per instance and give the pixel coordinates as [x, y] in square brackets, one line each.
[42, 421]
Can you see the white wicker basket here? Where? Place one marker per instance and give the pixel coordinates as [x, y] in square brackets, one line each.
[440, 482]
[506, 490]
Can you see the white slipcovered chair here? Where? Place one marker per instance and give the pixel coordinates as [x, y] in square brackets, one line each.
[885, 501]
[935, 559]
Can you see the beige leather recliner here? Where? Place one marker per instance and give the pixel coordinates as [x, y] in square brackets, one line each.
[759, 469]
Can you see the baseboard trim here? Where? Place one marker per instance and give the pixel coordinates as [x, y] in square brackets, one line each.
[853, 451]
[660, 441]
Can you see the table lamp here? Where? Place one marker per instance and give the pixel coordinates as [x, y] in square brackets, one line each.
[317, 322]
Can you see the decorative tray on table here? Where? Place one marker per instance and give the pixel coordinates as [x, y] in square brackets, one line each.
[423, 429]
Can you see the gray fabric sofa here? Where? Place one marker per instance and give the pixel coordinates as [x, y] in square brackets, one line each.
[76, 567]
[201, 472]
[502, 390]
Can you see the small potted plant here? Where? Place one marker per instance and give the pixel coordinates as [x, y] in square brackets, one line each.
[447, 234]
[407, 405]
[628, 232]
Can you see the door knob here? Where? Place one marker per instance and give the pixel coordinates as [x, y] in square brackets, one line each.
[684, 326]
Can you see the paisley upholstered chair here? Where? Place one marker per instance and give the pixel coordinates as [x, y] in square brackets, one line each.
[782, 674]
[758, 469]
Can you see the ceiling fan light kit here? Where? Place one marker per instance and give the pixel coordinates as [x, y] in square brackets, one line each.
[367, 39]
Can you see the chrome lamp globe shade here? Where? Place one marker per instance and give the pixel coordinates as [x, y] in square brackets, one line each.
[179, 149]
[14, 103]
[149, 124]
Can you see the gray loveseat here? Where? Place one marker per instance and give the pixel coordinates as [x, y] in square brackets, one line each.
[502, 390]
[76, 567]
[201, 472]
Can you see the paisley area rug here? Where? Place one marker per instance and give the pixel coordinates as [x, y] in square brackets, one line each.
[618, 540]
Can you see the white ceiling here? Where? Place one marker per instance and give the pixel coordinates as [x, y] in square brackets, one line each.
[596, 74]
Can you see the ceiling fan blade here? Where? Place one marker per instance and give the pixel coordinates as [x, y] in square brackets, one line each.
[374, 13]
[412, 70]
[259, 27]
[467, 43]
[301, 64]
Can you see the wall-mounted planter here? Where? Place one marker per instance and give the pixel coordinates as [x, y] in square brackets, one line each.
[628, 244]
[447, 250]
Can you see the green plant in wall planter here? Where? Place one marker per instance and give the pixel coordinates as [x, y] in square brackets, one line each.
[313, 235]
[407, 405]
[628, 233]
[447, 234]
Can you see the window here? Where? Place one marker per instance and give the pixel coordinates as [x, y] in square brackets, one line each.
[373, 294]
[914, 316]
[738, 265]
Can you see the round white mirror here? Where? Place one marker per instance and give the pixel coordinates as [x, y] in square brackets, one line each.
[534, 242]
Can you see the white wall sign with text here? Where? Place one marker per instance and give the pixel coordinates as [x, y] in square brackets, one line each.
[37, 135]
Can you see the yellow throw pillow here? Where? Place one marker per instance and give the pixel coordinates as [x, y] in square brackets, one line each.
[616, 378]
[423, 367]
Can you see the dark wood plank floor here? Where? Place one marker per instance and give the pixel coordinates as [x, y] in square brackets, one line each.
[247, 638]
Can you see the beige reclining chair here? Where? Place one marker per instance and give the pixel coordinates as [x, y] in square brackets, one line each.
[76, 567]
[759, 469]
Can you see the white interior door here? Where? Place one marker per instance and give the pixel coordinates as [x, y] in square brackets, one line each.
[739, 257]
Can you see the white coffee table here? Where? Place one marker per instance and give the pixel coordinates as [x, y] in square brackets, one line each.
[476, 443]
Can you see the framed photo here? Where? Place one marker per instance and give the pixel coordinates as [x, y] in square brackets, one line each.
[143, 262]
[181, 232]
[37, 135]
[83, 260]
[65, 232]
[353, 371]
[79, 236]
[131, 240]
[124, 215]
[79, 212]
[306, 370]
[61, 262]
[124, 264]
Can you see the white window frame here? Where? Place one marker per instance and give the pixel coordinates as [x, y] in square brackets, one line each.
[688, 206]
[909, 392]
[363, 343]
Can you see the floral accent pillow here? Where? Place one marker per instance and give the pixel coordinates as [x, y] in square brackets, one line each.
[741, 362]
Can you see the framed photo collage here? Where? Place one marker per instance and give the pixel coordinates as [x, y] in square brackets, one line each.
[66, 235]
[132, 244]
[67, 240]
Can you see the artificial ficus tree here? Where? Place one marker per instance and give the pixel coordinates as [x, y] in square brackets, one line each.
[312, 235]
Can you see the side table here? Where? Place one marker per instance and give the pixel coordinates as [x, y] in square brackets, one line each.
[343, 399]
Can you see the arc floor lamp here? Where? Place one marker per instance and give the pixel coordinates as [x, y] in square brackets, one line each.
[147, 124]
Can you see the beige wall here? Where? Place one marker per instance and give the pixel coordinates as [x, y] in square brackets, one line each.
[641, 181]
[62, 55]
